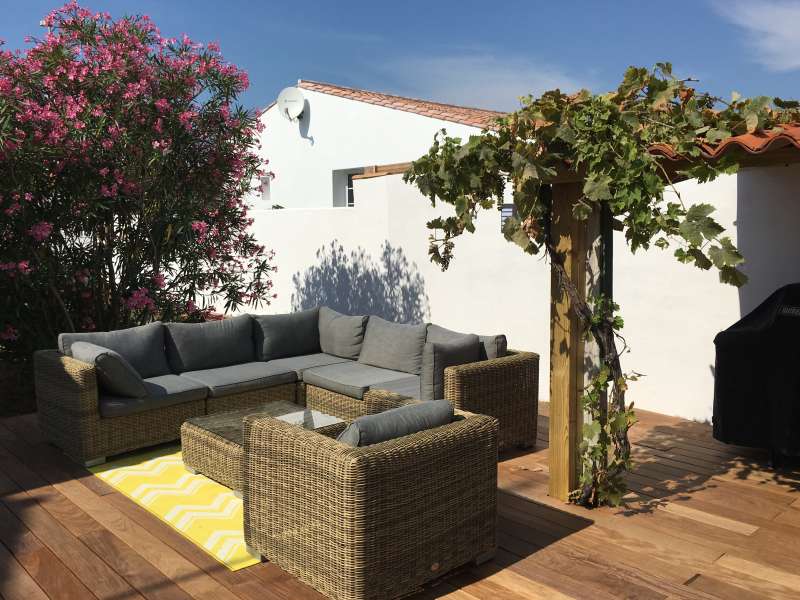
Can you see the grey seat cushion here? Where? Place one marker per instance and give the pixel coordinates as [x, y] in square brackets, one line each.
[197, 346]
[492, 346]
[299, 364]
[234, 379]
[409, 386]
[142, 347]
[291, 334]
[354, 379]
[397, 422]
[341, 335]
[393, 346]
[162, 391]
[115, 374]
[437, 356]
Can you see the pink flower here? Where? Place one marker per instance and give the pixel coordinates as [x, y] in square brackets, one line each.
[186, 118]
[159, 280]
[140, 300]
[162, 105]
[40, 231]
[24, 267]
[200, 228]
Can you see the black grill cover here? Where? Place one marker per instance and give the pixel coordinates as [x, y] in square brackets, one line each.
[757, 386]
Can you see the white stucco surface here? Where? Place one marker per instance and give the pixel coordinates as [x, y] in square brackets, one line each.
[336, 133]
[672, 311]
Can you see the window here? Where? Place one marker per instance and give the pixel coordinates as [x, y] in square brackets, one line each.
[506, 211]
[266, 195]
[343, 187]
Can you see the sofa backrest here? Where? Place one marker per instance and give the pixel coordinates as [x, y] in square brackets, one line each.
[198, 346]
[341, 335]
[142, 347]
[492, 346]
[393, 346]
[291, 334]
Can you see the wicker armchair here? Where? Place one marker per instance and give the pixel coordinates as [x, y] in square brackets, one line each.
[374, 522]
[506, 388]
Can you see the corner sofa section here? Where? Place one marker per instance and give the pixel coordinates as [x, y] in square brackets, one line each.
[135, 387]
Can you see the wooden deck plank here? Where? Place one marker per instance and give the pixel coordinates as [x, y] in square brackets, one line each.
[704, 520]
[195, 582]
[15, 582]
[90, 569]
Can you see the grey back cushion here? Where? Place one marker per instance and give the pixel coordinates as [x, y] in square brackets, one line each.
[115, 374]
[341, 335]
[198, 346]
[142, 347]
[437, 356]
[396, 422]
[492, 346]
[292, 334]
[393, 345]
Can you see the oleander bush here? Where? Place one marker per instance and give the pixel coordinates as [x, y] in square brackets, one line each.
[124, 160]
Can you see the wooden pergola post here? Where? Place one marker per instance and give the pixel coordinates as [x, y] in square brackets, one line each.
[585, 246]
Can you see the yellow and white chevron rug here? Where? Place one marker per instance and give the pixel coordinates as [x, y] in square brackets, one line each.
[199, 508]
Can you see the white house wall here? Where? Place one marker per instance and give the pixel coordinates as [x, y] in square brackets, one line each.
[672, 312]
[338, 133]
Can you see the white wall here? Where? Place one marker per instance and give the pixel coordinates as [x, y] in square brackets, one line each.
[337, 133]
[672, 311]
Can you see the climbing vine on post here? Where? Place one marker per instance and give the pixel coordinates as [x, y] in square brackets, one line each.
[611, 141]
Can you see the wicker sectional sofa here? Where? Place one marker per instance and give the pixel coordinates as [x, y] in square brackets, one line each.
[105, 393]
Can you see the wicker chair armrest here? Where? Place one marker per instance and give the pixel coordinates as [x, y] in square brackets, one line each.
[377, 400]
[504, 364]
[517, 372]
[65, 383]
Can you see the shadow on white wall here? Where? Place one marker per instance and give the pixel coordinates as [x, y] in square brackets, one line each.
[356, 283]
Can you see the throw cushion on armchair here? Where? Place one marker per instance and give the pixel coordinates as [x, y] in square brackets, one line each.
[397, 422]
[115, 374]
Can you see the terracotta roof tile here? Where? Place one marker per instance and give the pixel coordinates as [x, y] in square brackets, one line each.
[752, 143]
[476, 117]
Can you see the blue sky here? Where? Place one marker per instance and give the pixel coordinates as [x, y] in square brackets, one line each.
[475, 53]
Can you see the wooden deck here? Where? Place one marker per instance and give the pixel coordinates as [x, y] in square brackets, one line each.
[704, 521]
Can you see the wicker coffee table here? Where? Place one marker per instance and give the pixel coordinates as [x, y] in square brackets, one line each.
[213, 444]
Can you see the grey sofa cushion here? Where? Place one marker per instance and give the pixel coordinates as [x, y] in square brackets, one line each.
[353, 378]
[492, 346]
[437, 356]
[235, 379]
[299, 364]
[142, 347]
[291, 334]
[341, 335]
[393, 345]
[115, 374]
[162, 391]
[397, 422]
[196, 346]
[409, 386]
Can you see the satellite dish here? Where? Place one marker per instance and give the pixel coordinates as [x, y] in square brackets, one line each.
[291, 103]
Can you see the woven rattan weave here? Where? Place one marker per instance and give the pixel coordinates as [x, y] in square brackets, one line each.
[212, 444]
[374, 522]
